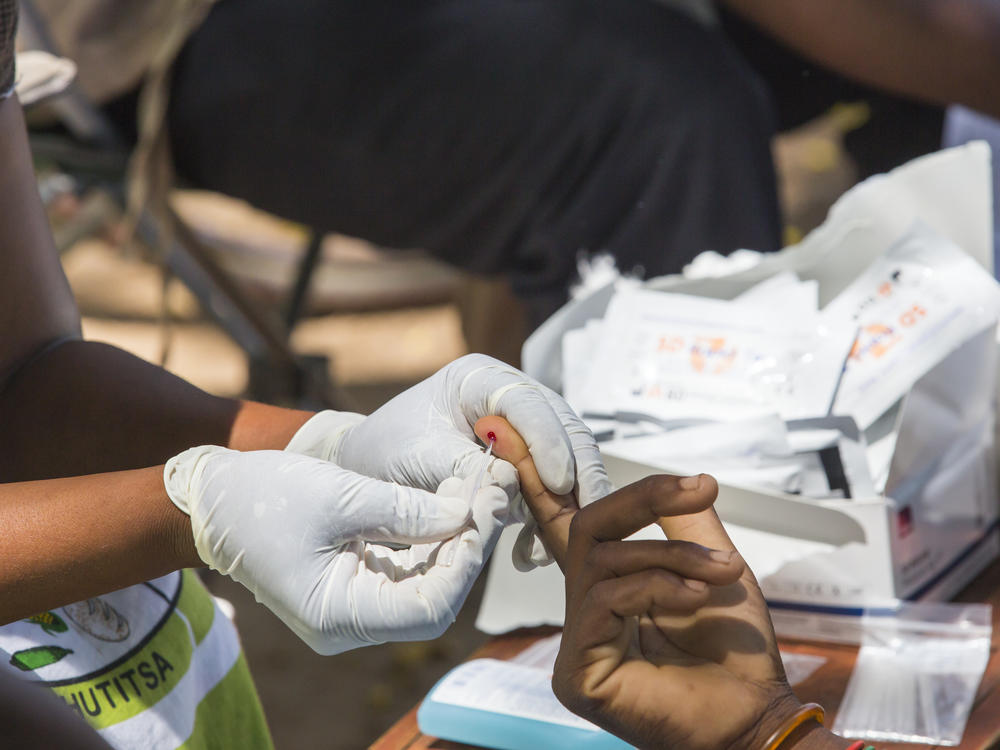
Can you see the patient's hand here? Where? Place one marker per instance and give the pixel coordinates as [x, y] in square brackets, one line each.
[666, 643]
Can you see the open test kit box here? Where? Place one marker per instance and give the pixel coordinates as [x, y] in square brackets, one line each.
[937, 524]
[933, 530]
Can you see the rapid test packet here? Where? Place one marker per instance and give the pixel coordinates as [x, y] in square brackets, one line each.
[914, 305]
[677, 356]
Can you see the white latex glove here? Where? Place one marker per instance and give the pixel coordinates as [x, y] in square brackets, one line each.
[298, 532]
[425, 435]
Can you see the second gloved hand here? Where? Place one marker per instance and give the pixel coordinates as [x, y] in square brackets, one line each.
[425, 435]
[302, 534]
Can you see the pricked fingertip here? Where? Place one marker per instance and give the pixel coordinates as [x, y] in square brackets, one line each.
[489, 429]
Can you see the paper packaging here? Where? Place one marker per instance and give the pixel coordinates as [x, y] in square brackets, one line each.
[911, 306]
[936, 526]
[722, 360]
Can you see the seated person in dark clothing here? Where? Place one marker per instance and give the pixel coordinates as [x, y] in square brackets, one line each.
[511, 135]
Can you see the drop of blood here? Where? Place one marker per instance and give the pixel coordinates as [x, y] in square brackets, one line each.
[491, 436]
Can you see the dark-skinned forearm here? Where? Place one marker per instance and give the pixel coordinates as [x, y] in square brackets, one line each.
[89, 408]
[62, 540]
[36, 306]
[85, 408]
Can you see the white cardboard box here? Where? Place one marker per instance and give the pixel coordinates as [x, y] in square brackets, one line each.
[937, 525]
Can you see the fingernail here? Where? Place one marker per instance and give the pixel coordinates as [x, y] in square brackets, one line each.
[695, 585]
[722, 556]
[690, 483]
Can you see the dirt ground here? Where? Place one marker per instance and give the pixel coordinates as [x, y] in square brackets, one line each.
[344, 702]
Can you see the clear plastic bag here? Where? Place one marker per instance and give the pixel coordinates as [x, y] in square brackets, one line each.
[916, 675]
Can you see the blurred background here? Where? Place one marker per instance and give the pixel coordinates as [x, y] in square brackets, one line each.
[424, 316]
[254, 305]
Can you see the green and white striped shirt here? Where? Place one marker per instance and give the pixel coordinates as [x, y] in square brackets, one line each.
[153, 666]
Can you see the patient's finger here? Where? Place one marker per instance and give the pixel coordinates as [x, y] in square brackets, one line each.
[703, 528]
[638, 594]
[553, 512]
[634, 507]
[686, 559]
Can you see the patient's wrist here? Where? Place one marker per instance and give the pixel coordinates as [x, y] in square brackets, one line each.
[789, 724]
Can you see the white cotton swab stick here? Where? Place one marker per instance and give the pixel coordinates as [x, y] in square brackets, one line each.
[484, 467]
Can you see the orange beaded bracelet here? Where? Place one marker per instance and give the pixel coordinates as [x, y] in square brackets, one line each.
[809, 711]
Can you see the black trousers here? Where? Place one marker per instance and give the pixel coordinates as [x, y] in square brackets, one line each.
[500, 135]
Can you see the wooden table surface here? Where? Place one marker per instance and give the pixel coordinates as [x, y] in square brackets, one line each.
[825, 686]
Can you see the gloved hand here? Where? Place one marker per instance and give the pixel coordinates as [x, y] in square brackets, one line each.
[424, 436]
[299, 533]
